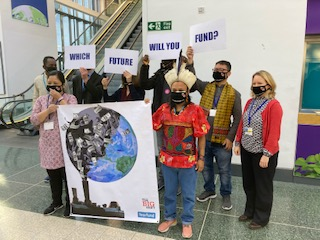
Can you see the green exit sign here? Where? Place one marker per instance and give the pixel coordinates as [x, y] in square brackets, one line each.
[159, 26]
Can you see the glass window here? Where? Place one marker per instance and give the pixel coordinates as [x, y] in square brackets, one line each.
[311, 81]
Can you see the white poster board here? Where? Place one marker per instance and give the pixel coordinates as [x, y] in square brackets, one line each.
[164, 46]
[80, 56]
[208, 36]
[120, 60]
[110, 161]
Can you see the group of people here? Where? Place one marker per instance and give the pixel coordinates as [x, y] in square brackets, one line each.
[52, 90]
[213, 126]
[189, 136]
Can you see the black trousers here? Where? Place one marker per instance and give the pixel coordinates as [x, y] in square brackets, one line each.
[56, 183]
[258, 185]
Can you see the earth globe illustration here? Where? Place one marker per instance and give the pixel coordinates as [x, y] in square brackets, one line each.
[29, 14]
[101, 144]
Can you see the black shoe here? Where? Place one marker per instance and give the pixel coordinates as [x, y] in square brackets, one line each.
[255, 226]
[205, 196]
[160, 184]
[244, 218]
[47, 179]
[179, 191]
[51, 209]
[67, 211]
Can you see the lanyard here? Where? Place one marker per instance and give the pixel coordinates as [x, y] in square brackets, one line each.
[216, 101]
[258, 108]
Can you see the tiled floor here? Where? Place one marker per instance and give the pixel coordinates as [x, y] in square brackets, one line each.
[24, 195]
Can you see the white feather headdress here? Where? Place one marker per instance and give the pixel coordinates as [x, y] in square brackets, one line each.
[184, 76]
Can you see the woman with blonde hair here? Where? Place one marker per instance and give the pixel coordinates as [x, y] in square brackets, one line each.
[257, 141]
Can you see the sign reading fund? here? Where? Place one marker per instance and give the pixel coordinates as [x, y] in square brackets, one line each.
[80, 56]
[164, 46]
[208, 36]
[120, 60]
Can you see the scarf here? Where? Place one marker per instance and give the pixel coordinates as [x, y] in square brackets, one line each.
[221, 123]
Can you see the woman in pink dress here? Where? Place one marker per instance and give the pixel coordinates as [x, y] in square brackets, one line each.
[44, 116]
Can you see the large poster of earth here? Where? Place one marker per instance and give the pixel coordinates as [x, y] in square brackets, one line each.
[110, 160]
[32, 11]
[307, 163]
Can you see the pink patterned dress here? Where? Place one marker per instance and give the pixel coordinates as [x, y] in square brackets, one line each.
[50, 149]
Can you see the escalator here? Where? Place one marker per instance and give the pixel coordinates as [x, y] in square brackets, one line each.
[15, 111]
[123, 30]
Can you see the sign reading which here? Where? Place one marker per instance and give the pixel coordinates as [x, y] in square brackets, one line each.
[159, 26]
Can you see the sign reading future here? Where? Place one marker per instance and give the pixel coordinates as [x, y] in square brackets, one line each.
[120, 60]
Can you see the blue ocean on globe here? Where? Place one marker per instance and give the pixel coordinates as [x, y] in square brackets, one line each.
[120, 156]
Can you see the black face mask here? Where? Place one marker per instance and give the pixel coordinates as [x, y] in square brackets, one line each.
[178, 97]
[219, 76]
[50, 69]
[258, 91]
[57, 88]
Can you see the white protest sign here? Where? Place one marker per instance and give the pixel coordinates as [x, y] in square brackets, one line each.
[164, 46]
[208, 36]
[80, 56]
[120, 60]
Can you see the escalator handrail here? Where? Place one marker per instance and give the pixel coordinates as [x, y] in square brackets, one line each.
[14, 124]
[1, 112]
[20, 94]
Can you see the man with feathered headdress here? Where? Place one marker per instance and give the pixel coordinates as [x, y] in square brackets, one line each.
[182, 123]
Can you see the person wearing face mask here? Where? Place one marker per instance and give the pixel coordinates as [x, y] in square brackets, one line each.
[182, 123]
[44, 116]
[129, 91]
[221, 102]
[87, 86]
[257, 142]
[161, 93]
[40, 82]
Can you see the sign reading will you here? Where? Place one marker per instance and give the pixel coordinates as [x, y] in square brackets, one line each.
[159, 26]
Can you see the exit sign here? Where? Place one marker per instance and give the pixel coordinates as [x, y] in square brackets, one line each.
[159, 26]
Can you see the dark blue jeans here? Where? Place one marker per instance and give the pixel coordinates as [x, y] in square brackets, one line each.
[223, 160]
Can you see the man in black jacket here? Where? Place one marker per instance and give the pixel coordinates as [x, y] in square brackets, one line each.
[87, 87]
[161, 92]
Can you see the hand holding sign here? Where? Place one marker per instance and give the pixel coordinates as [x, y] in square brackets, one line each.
[84, 74]
[145, 59]
[128, 76]
[105, 82]
[190, 55]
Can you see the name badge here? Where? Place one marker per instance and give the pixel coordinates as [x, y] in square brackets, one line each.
[248, 131]
[48, 126]
[212, 112]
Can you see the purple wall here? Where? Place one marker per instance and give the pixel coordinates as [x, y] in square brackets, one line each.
[313, 17]
[307, 141]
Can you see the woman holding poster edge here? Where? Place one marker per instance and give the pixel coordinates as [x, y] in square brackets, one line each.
[182, 123]
[44, 115]
[257, 142]
[129, 90]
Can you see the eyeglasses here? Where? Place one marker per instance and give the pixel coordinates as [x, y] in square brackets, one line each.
[222, 70]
